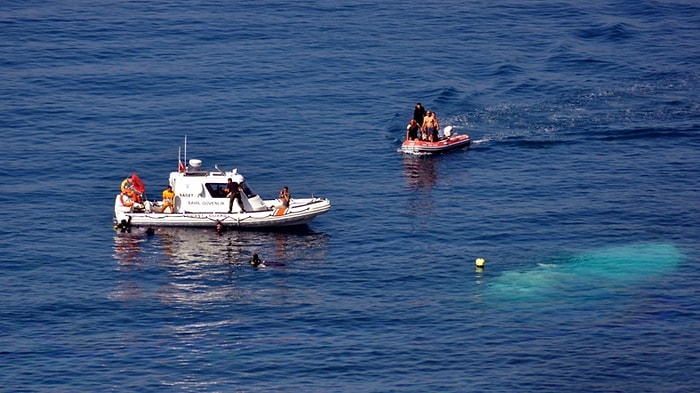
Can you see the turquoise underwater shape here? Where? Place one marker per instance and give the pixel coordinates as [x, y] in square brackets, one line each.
[604, 268]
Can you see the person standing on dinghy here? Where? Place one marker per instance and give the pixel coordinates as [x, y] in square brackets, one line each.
[430, 127]
[436, 128]
[419, 114]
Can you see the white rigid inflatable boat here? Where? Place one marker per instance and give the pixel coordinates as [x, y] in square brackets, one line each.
[200, 201]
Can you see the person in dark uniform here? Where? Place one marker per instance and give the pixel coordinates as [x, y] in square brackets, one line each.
[419, 114]
[233, 191]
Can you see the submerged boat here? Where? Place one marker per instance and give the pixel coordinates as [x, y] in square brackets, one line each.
[200, 200]
[448, 141]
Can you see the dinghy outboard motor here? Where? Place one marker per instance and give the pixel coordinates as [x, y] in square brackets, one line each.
[447, 132]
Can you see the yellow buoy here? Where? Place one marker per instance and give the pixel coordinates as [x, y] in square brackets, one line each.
[480, 262]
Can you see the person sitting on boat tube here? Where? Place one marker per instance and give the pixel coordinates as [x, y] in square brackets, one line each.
[412, 130]
[285, 197]
[168, 200]
[127, 184]
[131, 192]
[233, 191]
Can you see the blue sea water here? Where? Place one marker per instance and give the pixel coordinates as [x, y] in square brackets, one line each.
[581, 191]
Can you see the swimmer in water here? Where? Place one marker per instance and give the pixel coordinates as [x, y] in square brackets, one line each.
[220, 228]
[124, 225]
[256, 261]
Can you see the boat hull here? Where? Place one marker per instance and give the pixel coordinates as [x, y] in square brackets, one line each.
[426, 147]
[301, 212]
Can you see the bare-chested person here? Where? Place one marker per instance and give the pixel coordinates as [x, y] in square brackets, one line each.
[430, 127]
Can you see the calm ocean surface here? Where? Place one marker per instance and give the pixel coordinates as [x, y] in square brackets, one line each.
[581, 190]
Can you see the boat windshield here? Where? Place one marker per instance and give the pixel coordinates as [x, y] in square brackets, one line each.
[218, 190]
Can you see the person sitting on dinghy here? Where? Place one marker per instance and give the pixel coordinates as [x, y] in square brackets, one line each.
[412, 130]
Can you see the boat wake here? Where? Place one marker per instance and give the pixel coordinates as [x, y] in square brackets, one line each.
[603, 269]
